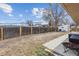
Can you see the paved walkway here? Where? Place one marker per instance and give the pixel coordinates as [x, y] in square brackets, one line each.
[56, 42]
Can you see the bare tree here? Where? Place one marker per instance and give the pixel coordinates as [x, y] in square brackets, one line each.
[48, 16]
[53, 16]
[56, 16]
[62, 16]
[59, 15]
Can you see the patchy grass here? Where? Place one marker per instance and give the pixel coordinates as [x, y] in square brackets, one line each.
[40, 51]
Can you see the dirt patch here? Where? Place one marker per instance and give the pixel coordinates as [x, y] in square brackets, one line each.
[21, 46]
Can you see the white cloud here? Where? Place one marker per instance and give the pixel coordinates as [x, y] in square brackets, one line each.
[39, 12]
[6, 8]
[20, 15]
[10, 15]
[35, 11]
[38, 16]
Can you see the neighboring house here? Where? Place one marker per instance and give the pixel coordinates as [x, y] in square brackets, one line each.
[64, 28]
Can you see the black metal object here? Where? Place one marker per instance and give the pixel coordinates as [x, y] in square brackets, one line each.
[73, 43]
[74, 38]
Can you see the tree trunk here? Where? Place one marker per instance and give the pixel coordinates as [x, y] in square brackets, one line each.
[52, 17]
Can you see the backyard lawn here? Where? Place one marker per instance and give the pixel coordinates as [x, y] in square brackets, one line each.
[27, 45]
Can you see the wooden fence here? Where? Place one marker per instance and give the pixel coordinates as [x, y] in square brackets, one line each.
[10, 32]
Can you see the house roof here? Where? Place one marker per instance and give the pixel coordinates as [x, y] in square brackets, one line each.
[73, 10]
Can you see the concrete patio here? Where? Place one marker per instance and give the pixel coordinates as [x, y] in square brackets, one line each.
[56, 47]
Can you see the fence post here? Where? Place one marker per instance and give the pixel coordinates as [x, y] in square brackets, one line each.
[31, 28]
[2, 33]
[39, 29]
[20, 29]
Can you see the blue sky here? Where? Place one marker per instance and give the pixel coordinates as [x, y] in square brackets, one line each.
[20, 12]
